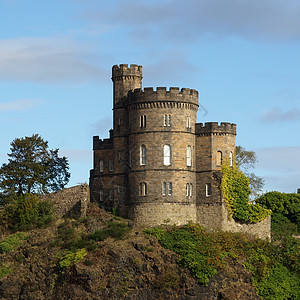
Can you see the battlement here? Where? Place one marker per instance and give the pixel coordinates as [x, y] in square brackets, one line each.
[174, 94]
[124, 70]
[99, 144]
[214, 127]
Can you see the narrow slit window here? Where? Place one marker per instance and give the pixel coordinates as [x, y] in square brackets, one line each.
[169, 120]
[208, 189]
[170, 189]
[164, 188]
[101, 196]
[143, 121]
[143, 189]
[230, 159]
[101, 166]
[111, 166]
[219, 158]
[187, 189]
[191, 190]
[165, 120]
[167, 155]
[189, 156]
[143, 155]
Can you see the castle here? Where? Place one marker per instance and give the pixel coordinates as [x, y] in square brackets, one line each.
[158, 164]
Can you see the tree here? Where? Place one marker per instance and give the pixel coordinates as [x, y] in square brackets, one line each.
[246, 160]
[33, 168]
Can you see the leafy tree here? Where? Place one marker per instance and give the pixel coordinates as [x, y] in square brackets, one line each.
[33, 168]
[246, 160]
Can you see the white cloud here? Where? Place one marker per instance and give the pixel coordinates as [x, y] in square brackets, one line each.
[277, 114]
[47, 60]
[20, 105]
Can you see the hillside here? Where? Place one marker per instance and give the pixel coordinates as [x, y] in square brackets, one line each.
[102, 257]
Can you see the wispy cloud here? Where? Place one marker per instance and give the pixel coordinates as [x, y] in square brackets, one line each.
[20, 105]
[101, 127]
[48, 60]
[277, 114]
[188, 20]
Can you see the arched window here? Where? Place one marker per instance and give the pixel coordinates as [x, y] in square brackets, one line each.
[219, 158]
[189, 156]
[143, 189]
[230, 159]
[191, 190]
[164, 188]
[143, 155]
[101, 164]
[208, 189]
[167, 155]
[170, 189]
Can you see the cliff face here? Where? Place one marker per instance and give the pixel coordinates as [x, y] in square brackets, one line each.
[134, 267]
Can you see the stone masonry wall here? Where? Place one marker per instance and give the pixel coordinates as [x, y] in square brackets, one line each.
[215, 217]
[73, 200]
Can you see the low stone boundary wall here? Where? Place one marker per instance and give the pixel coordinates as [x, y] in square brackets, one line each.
[71, 201]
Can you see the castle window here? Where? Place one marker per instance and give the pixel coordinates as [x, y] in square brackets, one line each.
[164, 188]
[167, 155]
[208, 189]
[191, 190]
[219, 158]
[143, 121]
[101, 195]
[230, 159]
[170, 189]
[188, 122]
[143, 155]
[189, 156]
[143, 189]
[101, 165]
[187, 189]
[111, 166]
[167, 120]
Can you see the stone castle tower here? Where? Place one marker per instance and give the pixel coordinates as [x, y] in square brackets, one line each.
[158, 163]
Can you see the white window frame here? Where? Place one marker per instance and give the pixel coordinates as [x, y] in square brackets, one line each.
[101, 166]
[143, 153]
[164, 189]
[167, 155]
[170, 189]
[208, 190]
[189, 156]
[187, 189]
[188, 122]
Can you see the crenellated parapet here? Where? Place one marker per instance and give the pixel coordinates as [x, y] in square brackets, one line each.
[123, 71]
[162, 95]
[215, 129]
[99, 144]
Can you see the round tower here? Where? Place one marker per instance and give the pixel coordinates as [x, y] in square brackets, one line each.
[162, 175]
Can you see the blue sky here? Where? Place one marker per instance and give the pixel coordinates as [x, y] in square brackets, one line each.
[241, 55]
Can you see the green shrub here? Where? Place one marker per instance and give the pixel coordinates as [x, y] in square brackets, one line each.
[12, 242]
[71, 258]
[4, 271]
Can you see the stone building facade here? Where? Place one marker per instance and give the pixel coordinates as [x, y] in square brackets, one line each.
[158, 165]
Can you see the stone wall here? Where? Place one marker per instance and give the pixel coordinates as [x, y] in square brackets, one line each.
[150, 214]
[215, 217]
[70, 201]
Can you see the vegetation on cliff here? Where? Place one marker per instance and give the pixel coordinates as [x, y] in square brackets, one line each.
[236, 191]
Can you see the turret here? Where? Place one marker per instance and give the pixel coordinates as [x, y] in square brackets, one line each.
[125, 79]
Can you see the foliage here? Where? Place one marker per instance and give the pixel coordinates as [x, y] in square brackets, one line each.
[246, 160]
[204, 253]
[166, 280]
[4, 271]
[33, 168]
[27, 211]
[236, 191]
[12, 242]
[71, 258]
[287, 205]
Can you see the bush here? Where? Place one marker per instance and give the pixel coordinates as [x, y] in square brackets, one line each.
[26, 212]
[4, 271]
[71, 258]
[12, 242]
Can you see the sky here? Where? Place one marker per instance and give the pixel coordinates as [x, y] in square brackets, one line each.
[243, 56]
